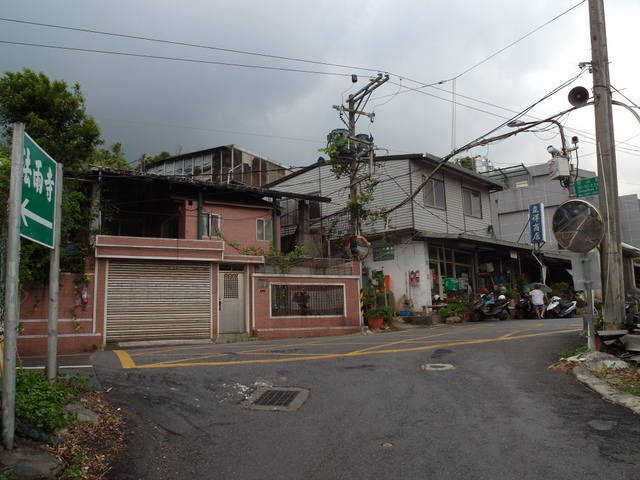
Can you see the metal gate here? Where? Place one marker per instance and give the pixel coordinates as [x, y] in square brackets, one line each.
[158, 300]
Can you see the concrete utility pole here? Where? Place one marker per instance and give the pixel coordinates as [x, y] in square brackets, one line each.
[355, 101]
[611, 249]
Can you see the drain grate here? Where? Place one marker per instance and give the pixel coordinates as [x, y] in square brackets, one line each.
[276, 398]
[286, 399]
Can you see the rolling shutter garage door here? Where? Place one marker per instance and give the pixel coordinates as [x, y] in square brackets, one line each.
[158, 300]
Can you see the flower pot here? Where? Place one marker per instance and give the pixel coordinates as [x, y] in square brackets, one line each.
[375, 323]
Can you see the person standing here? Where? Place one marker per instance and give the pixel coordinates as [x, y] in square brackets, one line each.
[538, 297]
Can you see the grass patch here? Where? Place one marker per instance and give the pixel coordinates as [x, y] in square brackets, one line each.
[572, 352]
[625, 380]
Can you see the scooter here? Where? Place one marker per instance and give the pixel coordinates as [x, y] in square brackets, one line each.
[525, 309]
[632, 319]
[558, 309]
[485, 308]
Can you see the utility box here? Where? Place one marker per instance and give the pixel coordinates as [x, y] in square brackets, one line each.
[559, 167]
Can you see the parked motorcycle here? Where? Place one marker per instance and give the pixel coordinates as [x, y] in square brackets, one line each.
[486, 307]
[632, 319]
[525, 309]
[559, 309]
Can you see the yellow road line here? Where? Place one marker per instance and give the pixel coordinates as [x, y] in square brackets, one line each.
[507, 335]
[420, 338]
[194, 358]
[127, 362]
[281, 347]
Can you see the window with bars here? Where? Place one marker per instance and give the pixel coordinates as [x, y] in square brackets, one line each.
[293, 300]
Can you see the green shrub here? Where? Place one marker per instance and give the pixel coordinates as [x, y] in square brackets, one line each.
[454, 308]
[382, 311]
[39, 402]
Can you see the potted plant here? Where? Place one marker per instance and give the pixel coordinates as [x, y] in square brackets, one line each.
[513, 296]
[454, 308]
[377, 316]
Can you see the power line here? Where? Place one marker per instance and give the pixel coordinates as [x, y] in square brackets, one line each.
[184, 44]
[513, 43]
[176, 59]
[244, 52]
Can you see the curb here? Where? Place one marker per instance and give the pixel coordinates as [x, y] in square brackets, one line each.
[607, 391]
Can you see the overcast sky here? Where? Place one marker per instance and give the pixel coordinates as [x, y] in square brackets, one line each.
[244, 88]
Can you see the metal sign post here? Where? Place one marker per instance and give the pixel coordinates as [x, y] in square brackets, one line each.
[588, 284]
[54, 286]
[35, 198]
[12, 300]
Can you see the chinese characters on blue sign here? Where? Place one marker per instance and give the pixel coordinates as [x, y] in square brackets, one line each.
[536, 223]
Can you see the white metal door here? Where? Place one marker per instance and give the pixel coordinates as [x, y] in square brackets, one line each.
[232, 306]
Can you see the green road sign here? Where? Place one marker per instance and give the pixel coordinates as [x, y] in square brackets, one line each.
[586, 187]
[38, 203]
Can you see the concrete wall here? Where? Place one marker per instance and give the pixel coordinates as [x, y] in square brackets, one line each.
[266, 327]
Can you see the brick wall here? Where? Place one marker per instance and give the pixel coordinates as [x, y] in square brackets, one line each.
[76, 327]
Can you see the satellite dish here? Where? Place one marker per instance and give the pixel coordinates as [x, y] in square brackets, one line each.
[577, 226]
[578, 96]
[357, 247]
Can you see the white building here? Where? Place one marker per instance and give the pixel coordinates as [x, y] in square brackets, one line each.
[442, 241]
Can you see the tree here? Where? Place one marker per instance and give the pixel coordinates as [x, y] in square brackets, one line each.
[54, 115]
[465, 162]
[56, 119]
[111, 157]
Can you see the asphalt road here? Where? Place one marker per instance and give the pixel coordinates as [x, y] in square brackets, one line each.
[472, 401]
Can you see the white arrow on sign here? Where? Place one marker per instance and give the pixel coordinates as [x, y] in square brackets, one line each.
[33, 216]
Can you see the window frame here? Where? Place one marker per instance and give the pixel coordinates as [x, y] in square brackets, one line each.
[384, 253]
[470, 193]
[207, 218]
[266, 228]
[429, 190]
[307, 299]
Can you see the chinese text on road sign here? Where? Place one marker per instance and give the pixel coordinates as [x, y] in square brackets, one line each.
[39, 183]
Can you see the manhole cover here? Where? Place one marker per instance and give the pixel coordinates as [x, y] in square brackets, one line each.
[285, 399]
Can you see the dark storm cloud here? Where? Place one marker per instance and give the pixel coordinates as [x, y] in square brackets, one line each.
[151, 105]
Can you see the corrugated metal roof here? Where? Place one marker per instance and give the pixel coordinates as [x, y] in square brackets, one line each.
[258, 191]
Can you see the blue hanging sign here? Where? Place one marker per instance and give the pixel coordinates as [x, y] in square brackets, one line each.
[536, 223]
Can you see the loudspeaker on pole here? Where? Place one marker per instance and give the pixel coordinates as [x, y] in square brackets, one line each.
[578, 96]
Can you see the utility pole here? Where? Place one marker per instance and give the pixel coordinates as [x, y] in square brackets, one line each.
[611, 249]
[355, 102]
